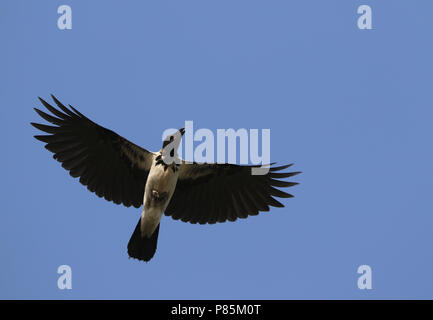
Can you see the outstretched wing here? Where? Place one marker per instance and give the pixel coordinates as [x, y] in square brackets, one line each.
[109, 165]
[210, 193]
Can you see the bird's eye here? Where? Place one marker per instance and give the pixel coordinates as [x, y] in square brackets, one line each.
[171, 138]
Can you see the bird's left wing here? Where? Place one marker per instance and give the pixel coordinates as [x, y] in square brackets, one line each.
[210, 193]
[108, 164]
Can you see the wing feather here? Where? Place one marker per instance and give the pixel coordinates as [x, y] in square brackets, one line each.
[210, 193]
[108, 164]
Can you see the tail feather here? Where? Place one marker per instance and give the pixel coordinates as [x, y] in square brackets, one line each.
[142, 248]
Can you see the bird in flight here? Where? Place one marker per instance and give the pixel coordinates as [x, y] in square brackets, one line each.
[124, 173]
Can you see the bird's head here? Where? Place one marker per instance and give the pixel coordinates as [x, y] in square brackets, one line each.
[171, 144]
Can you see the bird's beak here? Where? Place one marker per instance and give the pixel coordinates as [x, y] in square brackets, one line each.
[182, 131]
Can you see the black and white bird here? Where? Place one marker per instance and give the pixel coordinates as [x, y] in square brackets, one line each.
[122, 172]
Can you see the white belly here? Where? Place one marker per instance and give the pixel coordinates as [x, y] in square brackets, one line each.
[163, 182]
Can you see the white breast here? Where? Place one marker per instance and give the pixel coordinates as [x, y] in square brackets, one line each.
[162, 180]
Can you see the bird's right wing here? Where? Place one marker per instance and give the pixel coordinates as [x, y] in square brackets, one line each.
[108, 164]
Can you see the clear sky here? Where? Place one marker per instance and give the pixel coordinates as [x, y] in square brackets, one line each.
[352, 108]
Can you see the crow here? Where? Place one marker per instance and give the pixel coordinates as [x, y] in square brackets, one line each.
[124, 173]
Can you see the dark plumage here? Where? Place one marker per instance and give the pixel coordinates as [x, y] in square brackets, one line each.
[210, 193]
[106, 163]
[120, 171]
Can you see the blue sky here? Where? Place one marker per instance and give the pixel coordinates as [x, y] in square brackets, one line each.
[351, 108]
